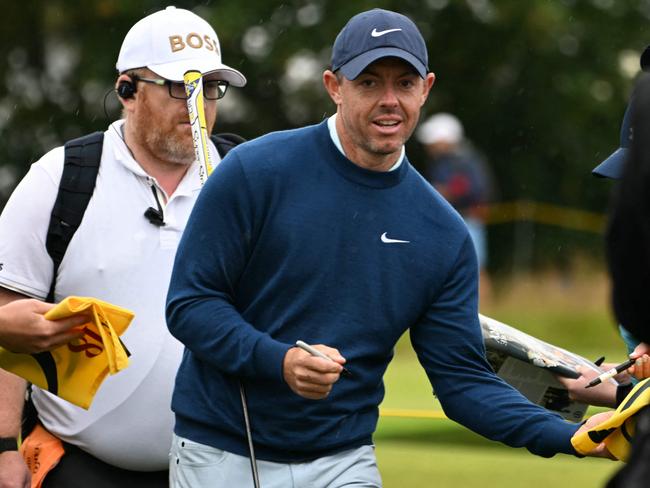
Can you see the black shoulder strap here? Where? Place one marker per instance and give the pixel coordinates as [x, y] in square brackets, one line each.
[80, 168]
[226, 141]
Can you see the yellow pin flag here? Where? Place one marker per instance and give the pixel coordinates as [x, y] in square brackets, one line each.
[617, 431]
[75, 370]
[196, 110]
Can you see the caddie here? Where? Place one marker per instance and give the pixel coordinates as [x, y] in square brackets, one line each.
[144, 182]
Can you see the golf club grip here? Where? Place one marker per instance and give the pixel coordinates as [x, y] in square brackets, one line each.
[196, 111]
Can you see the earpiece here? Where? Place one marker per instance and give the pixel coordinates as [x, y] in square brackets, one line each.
[126, 89]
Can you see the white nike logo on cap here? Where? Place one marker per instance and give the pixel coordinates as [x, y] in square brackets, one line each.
[388, 240]
[376, 33]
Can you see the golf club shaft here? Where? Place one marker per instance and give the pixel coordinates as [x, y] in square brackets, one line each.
[249, 436]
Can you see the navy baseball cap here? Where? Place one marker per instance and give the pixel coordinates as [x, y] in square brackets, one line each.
[376, 34]
[612, 167]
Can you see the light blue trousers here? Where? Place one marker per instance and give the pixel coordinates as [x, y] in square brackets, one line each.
[194, 465]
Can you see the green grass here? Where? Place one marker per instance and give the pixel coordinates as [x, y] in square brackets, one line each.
[416, 453]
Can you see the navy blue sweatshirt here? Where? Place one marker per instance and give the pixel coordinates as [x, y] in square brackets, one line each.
[285, 243]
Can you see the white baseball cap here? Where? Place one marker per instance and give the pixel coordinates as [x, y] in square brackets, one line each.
[173, 41]
[440, 127]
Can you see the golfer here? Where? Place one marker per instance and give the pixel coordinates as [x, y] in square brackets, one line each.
[326, 234]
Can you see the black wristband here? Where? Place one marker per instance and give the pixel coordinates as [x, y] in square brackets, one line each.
[8, 444]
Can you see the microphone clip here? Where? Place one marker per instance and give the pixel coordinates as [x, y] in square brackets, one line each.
[154, 216]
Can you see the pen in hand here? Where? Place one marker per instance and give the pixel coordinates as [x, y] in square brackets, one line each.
[611, 373]
[315, 352]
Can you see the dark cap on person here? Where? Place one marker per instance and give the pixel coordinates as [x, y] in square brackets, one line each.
[376, 34]
[612, 166]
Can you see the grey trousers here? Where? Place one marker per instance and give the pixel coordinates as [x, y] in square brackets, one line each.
[194, 465]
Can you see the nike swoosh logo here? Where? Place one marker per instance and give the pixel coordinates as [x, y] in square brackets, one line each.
[388, 240]
[376, 33]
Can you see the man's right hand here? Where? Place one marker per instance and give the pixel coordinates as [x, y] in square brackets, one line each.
[23, 328]
[310, 376]
[13, 471]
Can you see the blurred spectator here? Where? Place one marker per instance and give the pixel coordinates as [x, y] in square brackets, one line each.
[612, 167]
[626, 258]
[462, 176]
[628, 255]
[628, 236]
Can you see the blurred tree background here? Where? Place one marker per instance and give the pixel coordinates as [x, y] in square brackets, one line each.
[540, 85]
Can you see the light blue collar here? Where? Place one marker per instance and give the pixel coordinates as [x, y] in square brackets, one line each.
[331, 125]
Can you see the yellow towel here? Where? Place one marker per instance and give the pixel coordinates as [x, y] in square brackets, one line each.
[617, 431]
[75, 371]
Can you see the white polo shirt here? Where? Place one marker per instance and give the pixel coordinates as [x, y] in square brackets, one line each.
[116, 255]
